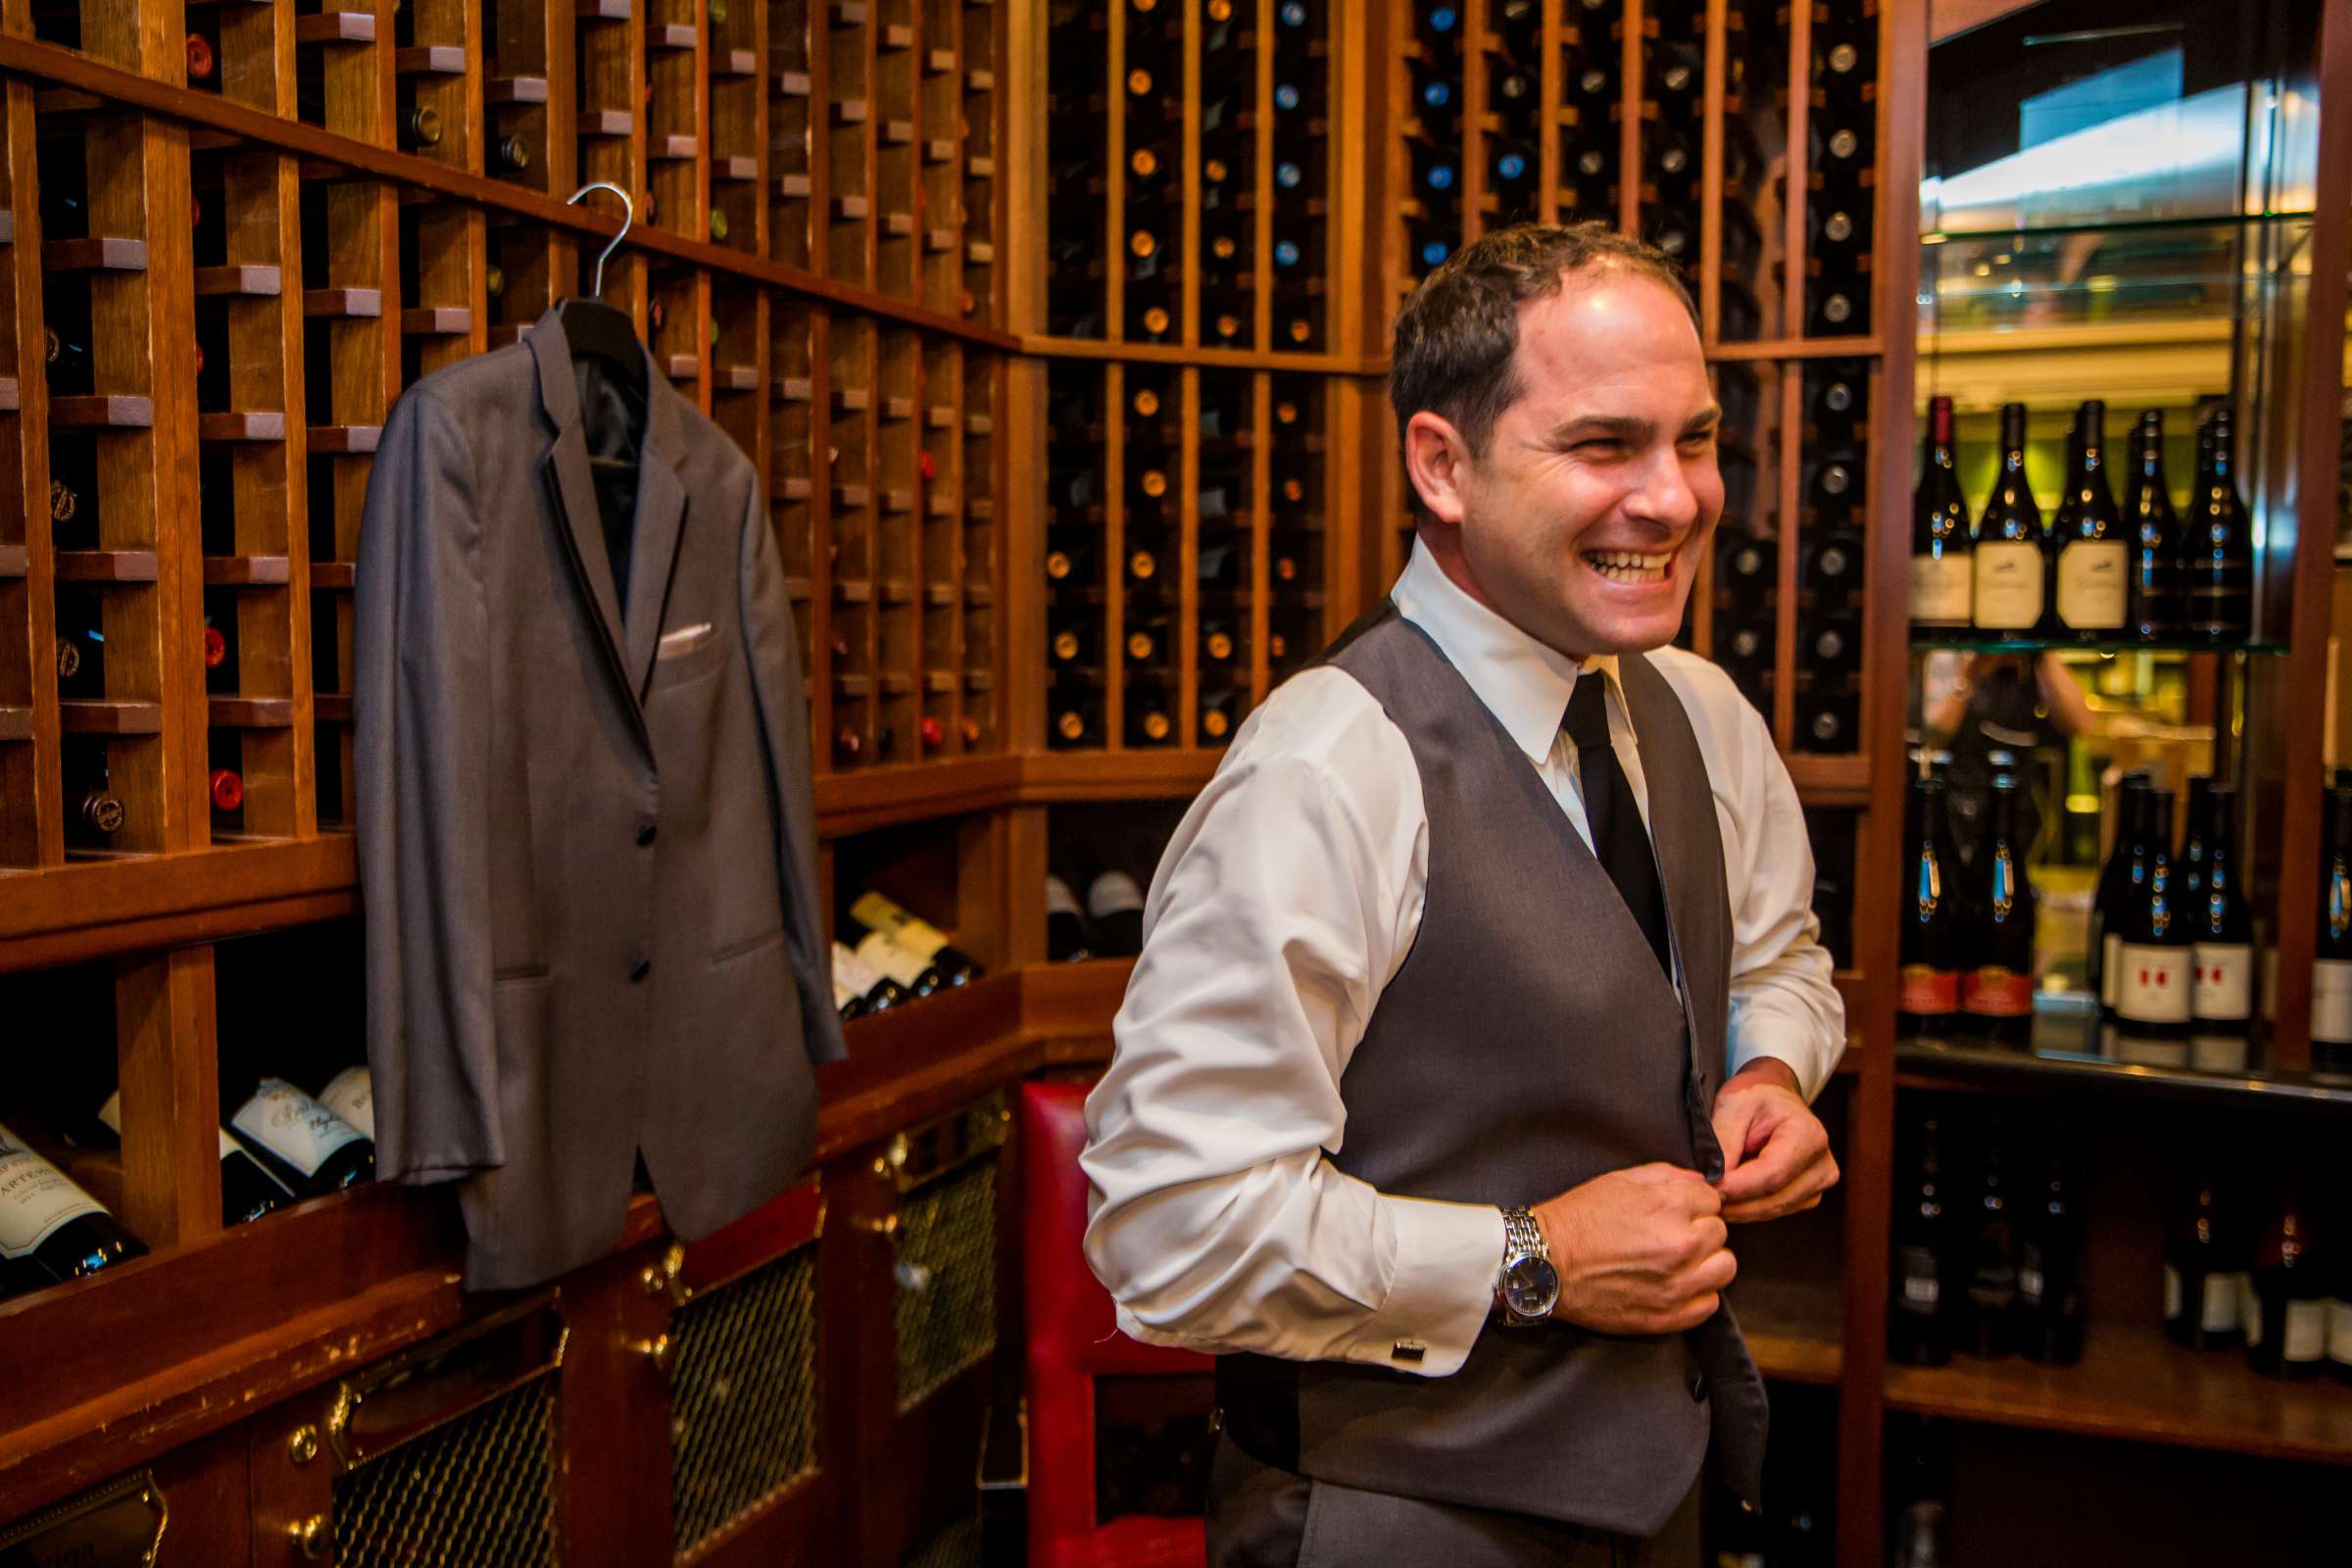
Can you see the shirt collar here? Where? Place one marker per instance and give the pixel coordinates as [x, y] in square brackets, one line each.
[1525, 684]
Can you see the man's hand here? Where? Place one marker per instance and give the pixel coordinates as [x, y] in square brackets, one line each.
[1776, 1154]
[1639, 1252]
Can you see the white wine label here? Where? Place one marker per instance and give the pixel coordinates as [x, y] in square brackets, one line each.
[2030, 1285]
[2111, 947]
[2152, 985]
[2008, 596]
[888, 957]
[109, 1114]
[878, 914]
[1059, 900]
[2306, 1337]
[852, 971]
[2219, 1312]
[2249, 1310]
[2331, 1001]
[2225, 981]
[1922, 1288]
[2172, 1293]
[2217, 1052]
[350, 1094]
[1942, 588]
[843, 995]
[2092, 576]
[2339, 1332]
[293, 1126]
[35, 1198]
[1113, 892]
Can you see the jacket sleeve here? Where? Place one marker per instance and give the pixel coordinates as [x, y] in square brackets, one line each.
[422, 711]
[773, 647]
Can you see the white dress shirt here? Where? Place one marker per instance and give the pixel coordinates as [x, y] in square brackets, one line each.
[1285, 904]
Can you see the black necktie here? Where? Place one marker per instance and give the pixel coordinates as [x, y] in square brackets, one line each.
[1619, 840]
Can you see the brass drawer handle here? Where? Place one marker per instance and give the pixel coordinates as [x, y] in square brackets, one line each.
[313, 1538]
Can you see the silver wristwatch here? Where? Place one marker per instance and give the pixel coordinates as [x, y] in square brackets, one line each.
[1530, 1286]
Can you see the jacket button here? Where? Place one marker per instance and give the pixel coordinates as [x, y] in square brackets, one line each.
[1698, 1387]
[644, 967]
[645, 832]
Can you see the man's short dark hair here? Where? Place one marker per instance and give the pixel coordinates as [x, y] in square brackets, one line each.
[1458, 336]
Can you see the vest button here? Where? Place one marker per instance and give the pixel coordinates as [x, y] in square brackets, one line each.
[645, 832]
[642, 968]
[1698, 1387]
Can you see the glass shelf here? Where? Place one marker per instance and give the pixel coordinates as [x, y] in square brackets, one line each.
[2165, 1071]
[2122, 226]
[2132, 277]
[2033, 645]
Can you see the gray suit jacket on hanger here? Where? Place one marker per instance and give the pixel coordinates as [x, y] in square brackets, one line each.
[587, 845]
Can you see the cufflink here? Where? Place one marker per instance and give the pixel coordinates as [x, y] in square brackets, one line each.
[1409, 1351]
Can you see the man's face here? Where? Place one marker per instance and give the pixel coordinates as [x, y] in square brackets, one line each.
[1583, 521]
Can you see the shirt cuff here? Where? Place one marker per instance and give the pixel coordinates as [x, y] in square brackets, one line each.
[1441, 1290]
[1785, 1040]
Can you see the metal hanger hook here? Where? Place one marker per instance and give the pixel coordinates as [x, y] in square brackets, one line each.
[628, 217]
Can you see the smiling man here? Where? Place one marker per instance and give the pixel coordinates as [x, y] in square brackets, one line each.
[1481, 990]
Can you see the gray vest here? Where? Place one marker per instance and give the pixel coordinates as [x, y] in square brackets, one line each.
[1527, 1044]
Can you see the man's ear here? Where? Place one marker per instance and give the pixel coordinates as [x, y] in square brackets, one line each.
[1438, 462]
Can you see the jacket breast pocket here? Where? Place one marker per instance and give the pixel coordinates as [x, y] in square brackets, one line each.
[693, 657]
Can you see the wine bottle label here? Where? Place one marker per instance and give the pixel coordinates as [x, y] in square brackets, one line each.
[2172, 1293]
[1114, 893]
[2091, 584]
[2008, 586]
[2217, 1052]
[1996, 992]
[2151, 984]
[293, 1126]
[850, 970]
[2221, 1311]
[2249, 1309]
[350, 1094]
[1059, 900]
[111, 1113]
[2029, 1285]
[1928, 991]
[2225, 981]
[2339, 1332]
[35, 1198]
[1942, 588]
[843, 995]
[2331, 1001]
[1922, 1288]
[902, 965]
[2306, 1336]
[879, 913]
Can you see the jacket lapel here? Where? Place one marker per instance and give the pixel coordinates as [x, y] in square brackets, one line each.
[660, 521]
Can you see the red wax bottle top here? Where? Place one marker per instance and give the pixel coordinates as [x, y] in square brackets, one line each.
[200, 57]
[228, 790]
[933, 734]
[928, 467]
[216, 648]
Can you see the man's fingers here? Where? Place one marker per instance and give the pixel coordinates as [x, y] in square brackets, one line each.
[1801, 1193]
[1692, 1313]
[1792, 1146]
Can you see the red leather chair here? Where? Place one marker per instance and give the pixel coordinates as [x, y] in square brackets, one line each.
[1073, 1340]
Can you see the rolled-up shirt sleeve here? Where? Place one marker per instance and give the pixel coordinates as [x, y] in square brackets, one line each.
[1784, 1003]
[1280, 911]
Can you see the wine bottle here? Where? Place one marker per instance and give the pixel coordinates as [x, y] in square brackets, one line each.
[2093, 560]
[1065, 924]
[2008, 546]
[2217, 577]
[2049, 1252]
[2221, 934]
[2124, 866]
[1919, 1330]
[315, 1149]
[2204, 1274]
[420, 128]
[2332, 964]
[1997, 991]
[852, 978]
[50, 1229]
[1115, 904]
[248, 1190]
[876, 991]
[1989, 1311]
[1928, 997]
[2286, 1319]
[952, 966]
[1943, 566]
[2153, 981]
[2152, 529]
[350, 1094]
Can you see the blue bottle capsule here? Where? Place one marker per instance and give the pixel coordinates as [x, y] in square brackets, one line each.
[1437, 94]
[1285, 96]
[1441, 177]
[1294, 14]
[1442, 19]
[1287, 175]
[1285, 253]
[1434, 252]
[1510, 165]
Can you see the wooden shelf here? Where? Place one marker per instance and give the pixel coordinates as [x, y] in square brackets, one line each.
[2135, 1384]
[1792, 1332]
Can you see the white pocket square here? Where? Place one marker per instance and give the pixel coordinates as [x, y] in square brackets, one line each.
[685, 640]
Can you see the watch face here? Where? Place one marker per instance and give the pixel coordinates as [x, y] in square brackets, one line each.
[1530, 1286]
